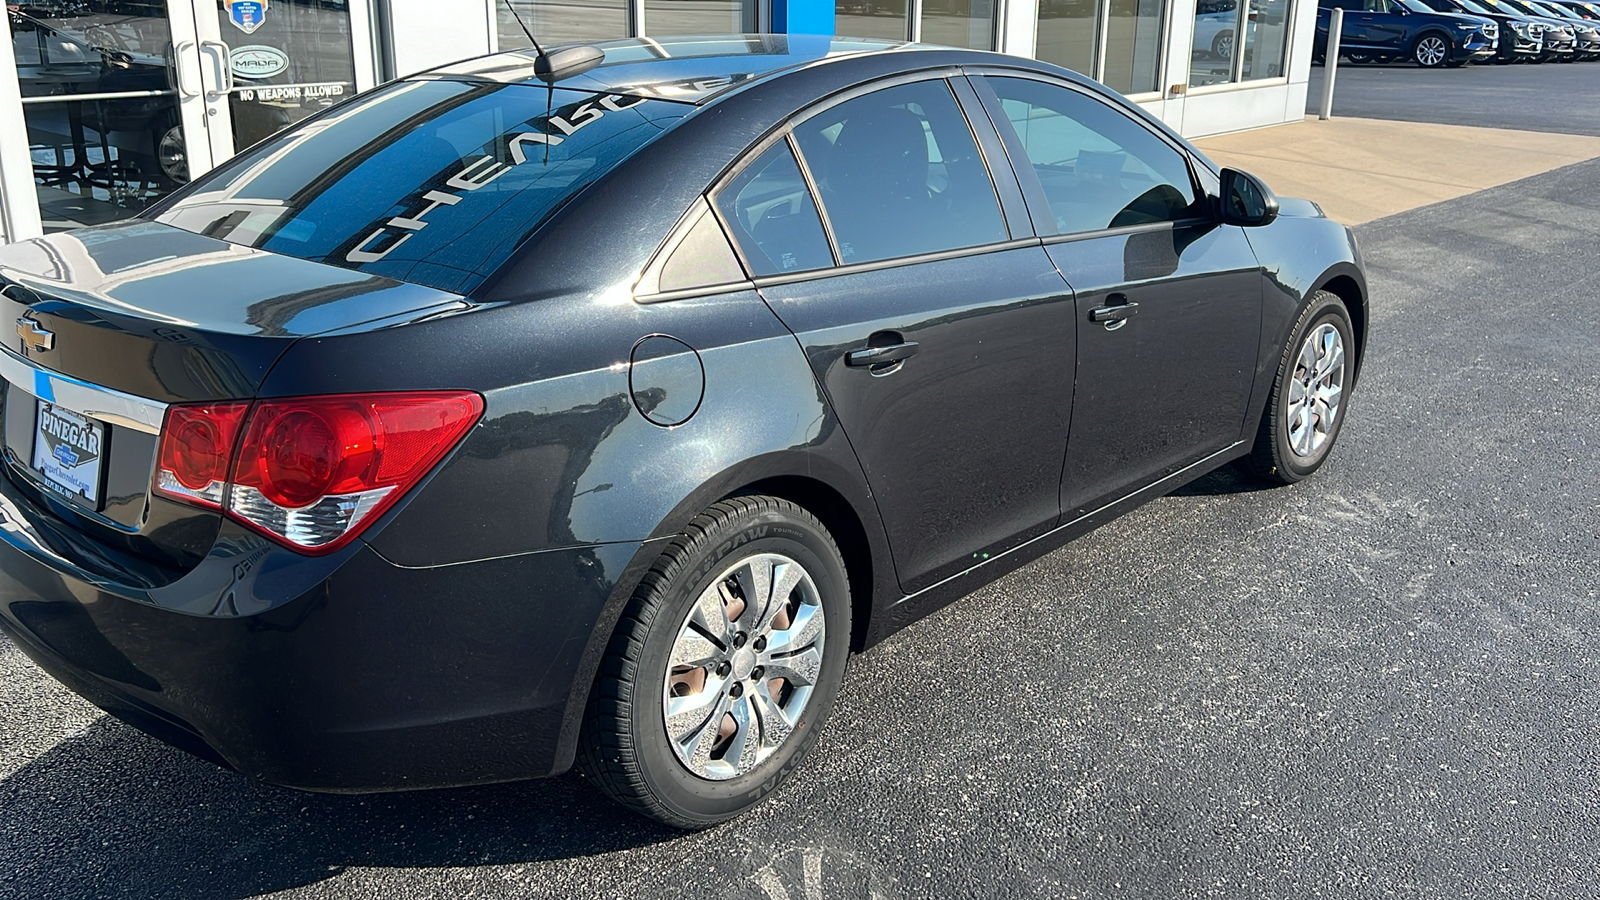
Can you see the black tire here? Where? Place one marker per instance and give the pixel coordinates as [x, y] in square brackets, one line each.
[1359, 59]
[1273, 458]
[1431, 50]
[626, 749]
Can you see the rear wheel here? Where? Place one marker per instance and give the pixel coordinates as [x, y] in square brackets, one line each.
[1306, 409]
[724, 667]
[1431, 51]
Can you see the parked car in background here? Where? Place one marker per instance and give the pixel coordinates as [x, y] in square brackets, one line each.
[1377, 30]
[1215, 23]
[542, 408]
[1521, 37]
[1560, 38]
[1585, 32]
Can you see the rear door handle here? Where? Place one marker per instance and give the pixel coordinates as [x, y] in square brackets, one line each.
[1110, 314]
[877, 356]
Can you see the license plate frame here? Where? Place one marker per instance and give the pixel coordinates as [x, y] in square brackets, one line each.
[69, 451]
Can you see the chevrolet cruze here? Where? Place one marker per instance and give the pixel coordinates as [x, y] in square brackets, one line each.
[593, 405]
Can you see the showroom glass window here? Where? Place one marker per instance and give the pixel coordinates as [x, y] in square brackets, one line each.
[1117, 42]
[553, 21]
[870, 18]
[900, 174]
[1099, 168]
[1220, 55]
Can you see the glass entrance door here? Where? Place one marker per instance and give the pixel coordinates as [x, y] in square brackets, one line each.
[125, 100]
[272, 63]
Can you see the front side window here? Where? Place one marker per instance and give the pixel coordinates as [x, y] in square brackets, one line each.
[900, 174]
[1099, 167]
[432, 182]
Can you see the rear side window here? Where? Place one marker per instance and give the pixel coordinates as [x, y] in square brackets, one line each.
[900, 174]
[433, 182]
[772, 216]
[1099, 167]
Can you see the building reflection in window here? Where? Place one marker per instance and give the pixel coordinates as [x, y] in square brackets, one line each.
[870, 18]
[1129, 57]
[959, 23]
[555, 21]
[1219, 55]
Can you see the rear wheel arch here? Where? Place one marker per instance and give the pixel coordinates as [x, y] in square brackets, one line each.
[824, 492]
[843, 522]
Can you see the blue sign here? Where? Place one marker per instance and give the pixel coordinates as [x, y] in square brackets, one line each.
[66, 455]
[247, 15]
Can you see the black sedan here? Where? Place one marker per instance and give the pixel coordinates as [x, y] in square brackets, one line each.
[595, 405]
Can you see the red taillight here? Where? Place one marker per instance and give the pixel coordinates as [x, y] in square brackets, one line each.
[196, 451]
[312, 472]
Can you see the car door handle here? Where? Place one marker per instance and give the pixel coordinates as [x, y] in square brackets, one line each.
[1109, 314]
[877, 356]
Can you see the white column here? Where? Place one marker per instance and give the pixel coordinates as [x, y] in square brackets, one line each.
[1019, 28]
[19, 202]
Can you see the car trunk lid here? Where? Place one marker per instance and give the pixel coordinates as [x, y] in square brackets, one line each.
[105, 327]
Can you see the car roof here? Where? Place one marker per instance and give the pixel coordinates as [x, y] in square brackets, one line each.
[690, 68]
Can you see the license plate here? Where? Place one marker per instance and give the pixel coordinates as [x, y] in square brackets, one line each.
[68, 451]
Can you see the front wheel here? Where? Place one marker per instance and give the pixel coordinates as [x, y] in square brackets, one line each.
[1222, 45]
[1308, 401]
[723, 668]
[1431, 51]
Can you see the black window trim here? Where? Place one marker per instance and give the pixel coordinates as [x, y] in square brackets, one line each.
[784, 132]
[1033, 190]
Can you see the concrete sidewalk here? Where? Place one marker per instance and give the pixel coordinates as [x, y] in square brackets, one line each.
[1364, 169]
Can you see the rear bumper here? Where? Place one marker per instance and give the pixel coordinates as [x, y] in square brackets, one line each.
[369, 677]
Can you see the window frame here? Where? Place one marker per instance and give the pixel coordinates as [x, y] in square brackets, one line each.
[1002, 178]
[1033, 189]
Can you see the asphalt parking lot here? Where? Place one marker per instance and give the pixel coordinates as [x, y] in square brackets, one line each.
[1380, 682]
[1545, 97]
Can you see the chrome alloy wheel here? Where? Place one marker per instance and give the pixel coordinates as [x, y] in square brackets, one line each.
[1316, 390]
[172, 156]
[1431, 51]
[743, 666]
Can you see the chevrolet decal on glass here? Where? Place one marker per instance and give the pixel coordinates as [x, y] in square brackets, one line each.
[66, 452]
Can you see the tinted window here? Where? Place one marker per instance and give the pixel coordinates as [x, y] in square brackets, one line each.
[1099, 167]
[900, 174]
[434, 182]
[773, 217]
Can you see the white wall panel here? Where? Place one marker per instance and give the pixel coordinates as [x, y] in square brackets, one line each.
[423, 35]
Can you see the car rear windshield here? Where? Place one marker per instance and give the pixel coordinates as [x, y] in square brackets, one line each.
[432, 181]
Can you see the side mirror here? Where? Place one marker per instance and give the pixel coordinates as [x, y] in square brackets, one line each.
[1245, 200]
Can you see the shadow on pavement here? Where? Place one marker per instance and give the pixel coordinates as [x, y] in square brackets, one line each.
[1226, 480]
[111, 810]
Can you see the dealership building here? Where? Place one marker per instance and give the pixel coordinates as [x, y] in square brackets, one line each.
[121, 101]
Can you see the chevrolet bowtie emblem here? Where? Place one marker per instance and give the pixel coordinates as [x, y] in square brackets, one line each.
[34, 336]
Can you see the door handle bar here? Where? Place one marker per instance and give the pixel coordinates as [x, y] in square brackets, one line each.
[875, 356]
[179, 68]
[220, 52]
[1113, 313]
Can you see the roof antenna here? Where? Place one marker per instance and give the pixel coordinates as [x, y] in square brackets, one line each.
[524, 28]
[566, 62]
